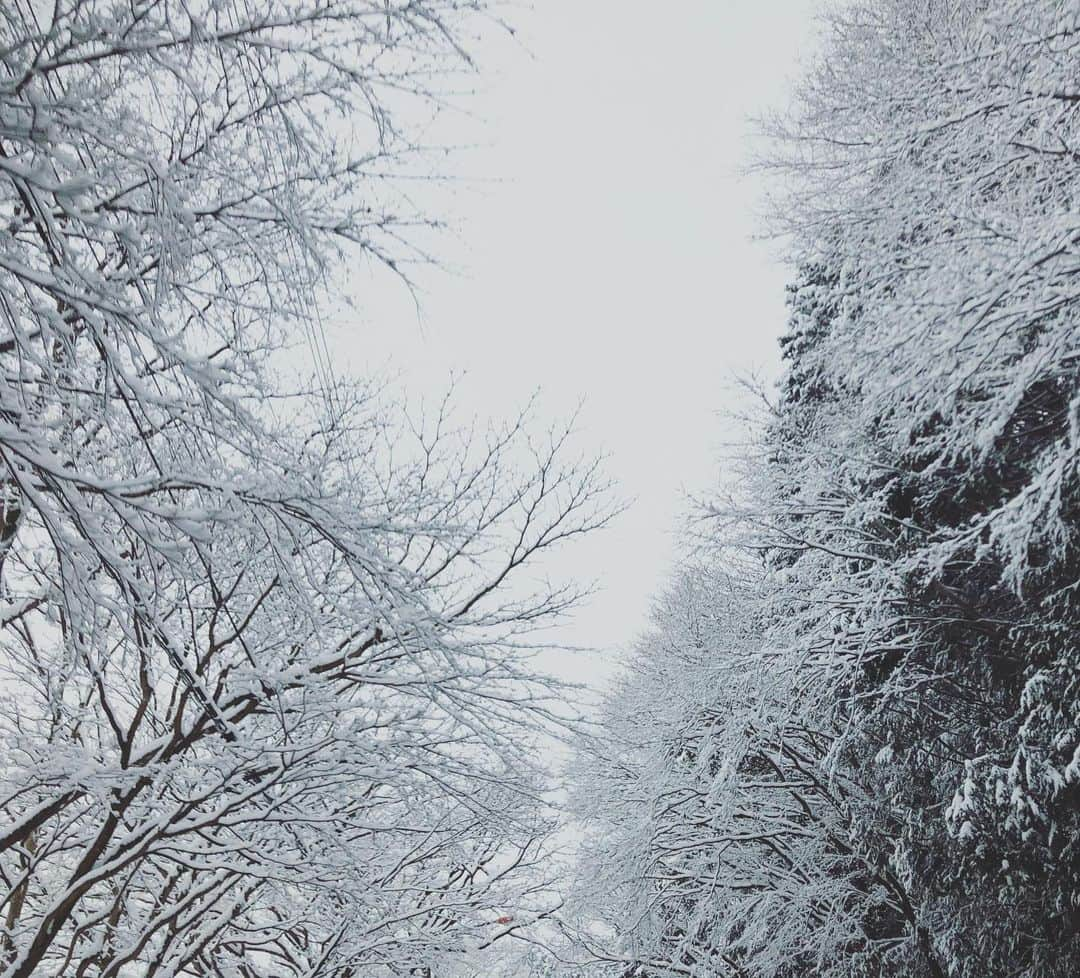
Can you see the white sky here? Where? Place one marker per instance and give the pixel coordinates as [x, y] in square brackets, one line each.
[610, 260]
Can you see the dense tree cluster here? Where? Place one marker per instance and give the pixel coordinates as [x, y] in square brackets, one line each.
[850, 744]
[265, 700]
[266, 707]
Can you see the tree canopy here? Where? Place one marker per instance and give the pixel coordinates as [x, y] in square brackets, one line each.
[867, 761]
[267, 705]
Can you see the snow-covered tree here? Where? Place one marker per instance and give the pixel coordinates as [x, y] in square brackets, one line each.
[931, 151]
[267, 708]
[909, 523]
[719, 837]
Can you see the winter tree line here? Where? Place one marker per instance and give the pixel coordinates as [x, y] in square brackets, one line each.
[849, 744]
[266, 704]
[268, 707]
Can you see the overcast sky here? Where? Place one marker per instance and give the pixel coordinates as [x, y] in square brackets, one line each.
[609, 258]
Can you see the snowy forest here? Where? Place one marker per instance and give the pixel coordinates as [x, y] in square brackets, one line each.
[270, 698]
